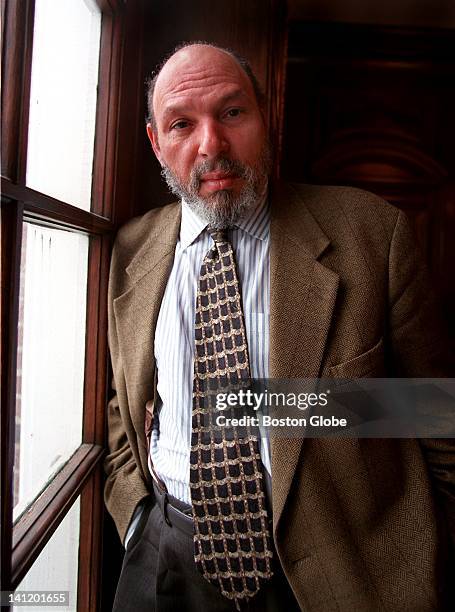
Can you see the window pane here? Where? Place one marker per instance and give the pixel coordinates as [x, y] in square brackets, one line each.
[56, 568]
[66, 44]
[51, 351]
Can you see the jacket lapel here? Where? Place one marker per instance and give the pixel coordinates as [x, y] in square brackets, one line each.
[136, 314]
[302, 300]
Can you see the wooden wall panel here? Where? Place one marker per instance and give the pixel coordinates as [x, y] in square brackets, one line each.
[414, 13]
[373, 107]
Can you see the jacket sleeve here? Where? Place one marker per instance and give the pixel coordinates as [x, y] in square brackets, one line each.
[125, 485]
[419, 349]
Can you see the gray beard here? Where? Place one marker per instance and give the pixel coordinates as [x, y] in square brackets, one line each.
[223, 209]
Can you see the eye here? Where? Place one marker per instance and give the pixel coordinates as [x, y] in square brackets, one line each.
[233, 112]
[179, 125]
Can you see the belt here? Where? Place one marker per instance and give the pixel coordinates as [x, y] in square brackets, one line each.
[181, 519]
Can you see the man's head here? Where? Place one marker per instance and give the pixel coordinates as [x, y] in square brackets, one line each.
[208, 132]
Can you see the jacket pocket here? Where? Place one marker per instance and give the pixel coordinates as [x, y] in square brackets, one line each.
[369, 364]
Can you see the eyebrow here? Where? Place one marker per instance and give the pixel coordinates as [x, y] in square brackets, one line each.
[176, 109]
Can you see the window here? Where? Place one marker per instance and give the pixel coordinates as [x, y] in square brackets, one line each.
[62, 108]
[61, 63]
[56, 568]
[51, 355]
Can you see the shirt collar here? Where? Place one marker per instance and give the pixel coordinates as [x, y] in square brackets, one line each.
[257, 223]
[191, 226]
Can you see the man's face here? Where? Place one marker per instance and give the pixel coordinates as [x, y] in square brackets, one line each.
[210, 136]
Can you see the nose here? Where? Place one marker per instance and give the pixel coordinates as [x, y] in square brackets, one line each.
[212, 140]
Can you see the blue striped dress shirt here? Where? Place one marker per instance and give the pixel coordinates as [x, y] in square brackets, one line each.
[174, 336]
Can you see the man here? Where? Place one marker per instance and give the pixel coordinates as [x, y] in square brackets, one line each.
[331, 285]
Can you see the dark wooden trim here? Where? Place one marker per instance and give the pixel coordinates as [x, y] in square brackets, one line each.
[130, 109]
[276, 75]
[107, 119]
[96, 351]
[34, 528]
[38, 206]
[25, 95]
[421, 67]
[11, 233]
[103, 117]
[360, 41]
[109, 7]
[90, 544]
[18, 32]
[95, 391]
[3, 15]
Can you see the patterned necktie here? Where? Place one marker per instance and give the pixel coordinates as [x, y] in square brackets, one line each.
[231, 531]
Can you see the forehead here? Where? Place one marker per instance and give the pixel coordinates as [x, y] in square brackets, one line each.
[199, 73]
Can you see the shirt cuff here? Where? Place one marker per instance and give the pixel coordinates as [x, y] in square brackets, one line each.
[133, 523]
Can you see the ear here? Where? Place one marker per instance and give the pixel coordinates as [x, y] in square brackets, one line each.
[153, 137]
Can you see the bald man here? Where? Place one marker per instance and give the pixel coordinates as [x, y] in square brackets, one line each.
[316, 282]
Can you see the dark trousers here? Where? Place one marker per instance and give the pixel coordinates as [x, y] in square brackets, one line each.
[159, 573]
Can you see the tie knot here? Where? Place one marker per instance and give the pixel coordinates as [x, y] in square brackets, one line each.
[218, 235]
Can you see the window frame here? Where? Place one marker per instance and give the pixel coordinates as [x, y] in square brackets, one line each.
[81, 475]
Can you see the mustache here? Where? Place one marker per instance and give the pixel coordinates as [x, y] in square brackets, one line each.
[220, 164]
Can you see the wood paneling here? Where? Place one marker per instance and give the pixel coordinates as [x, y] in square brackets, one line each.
[373, 107]
[127, 106]
[413, 13]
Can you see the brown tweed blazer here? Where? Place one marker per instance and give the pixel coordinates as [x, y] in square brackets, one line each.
[359, 525]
